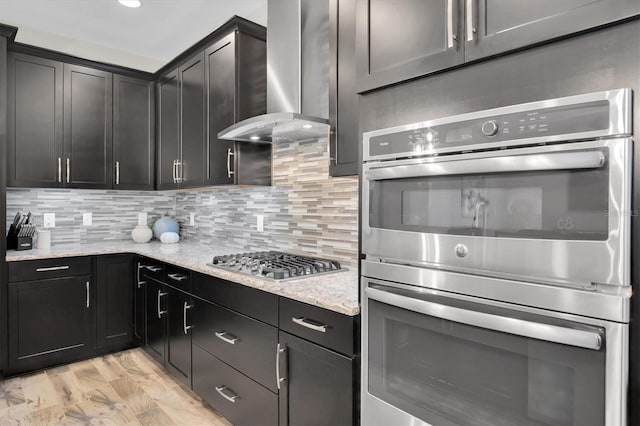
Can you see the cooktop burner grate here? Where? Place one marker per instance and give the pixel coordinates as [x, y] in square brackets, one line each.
[276, 265]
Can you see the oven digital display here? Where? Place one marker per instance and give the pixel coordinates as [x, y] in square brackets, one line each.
[459, 135]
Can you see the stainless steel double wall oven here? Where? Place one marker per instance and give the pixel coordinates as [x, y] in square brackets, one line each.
[496, 281]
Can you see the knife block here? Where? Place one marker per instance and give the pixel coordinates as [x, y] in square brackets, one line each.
[18, 243]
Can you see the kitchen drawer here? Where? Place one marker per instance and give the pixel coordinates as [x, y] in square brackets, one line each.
[242, 342]
[178, 278]
[218, 384]
[152, 268]
[326, 328]
[246, 300]
[32, 270]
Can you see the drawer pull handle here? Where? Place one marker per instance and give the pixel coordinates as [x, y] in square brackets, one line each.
[186, 327]
[303, 322]
[177, 277]
[153, 268]
[53, 268]
[141, 283]
[230, 398]
[221, 335]
[280, 349]
[161, 312]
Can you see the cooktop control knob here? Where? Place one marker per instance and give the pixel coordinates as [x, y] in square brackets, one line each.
[490, 128]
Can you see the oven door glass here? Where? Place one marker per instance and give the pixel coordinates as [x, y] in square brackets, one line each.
[562, 204]
[446, 372]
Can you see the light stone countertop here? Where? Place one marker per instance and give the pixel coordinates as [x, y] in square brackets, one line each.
[335, 291]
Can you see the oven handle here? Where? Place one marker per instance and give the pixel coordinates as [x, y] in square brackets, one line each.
[513, 163]
[518, 327]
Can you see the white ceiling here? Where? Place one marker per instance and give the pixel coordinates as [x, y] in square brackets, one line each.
[145, 38]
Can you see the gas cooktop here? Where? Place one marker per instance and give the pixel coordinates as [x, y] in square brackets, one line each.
[276, 265]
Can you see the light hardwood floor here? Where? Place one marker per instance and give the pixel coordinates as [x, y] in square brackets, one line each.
[126, 388]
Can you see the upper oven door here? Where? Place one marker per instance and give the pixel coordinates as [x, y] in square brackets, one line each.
[557, 213]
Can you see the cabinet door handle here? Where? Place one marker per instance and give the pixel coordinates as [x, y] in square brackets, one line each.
[230, 398]
[139, 280]
[303, 322]
[177, 277]
[451, 37]
[161, 312]
[279, 350]
[53, 268]
[221, 335]
[173, 171]
[184, 317]
[117, 173]
[87, 288]
[68, 170]
[60, 169]
[229, 171]
[470, 18]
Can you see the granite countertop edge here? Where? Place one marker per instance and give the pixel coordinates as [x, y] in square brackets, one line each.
[336, 291]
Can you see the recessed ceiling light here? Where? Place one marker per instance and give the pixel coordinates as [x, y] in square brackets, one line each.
[307, 126]
[254, 138]
[130, 3]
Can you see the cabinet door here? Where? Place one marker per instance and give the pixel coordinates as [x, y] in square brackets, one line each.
[403, 39]
[50, 321]
[168, 131]
[156, 314]
[192, 123]
[139, 305]
[318, 385]
[344, 139]
[88, 113]
[179, 335]
[496, 26]
[34, 149]
[220, 66]
[114, 319]
[133, 135]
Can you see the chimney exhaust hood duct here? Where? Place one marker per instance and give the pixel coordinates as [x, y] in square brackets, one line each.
[297, 76]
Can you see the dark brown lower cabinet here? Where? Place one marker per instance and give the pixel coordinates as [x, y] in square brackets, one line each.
[318, 385]
[156, 319]
[50, 322]
[114, 316]
[238, 398]
[178, 356]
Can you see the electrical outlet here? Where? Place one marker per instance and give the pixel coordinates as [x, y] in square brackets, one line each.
[192, 219]
[260, 222]
[87, 219]
[49, 220]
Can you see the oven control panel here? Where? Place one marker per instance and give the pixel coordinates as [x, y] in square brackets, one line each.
[507, 127]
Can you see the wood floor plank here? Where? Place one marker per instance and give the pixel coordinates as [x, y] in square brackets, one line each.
[11, 393]
[88, 376]
[67, 387]
[156, 417]
[133, 395]
[39, 391]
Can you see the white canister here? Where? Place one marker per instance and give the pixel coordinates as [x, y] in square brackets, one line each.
[141, 234]
[44, 239]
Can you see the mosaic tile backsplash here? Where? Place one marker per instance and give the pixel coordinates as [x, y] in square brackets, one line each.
[305, 211]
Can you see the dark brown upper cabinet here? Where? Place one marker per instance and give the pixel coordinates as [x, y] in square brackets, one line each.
[405, 39]
[191, 164]
[88, 114]
[497, 26]
[34, 149]
[236, 81]
[344, 139]
[133, 133]
[168, 144]
[181, 126]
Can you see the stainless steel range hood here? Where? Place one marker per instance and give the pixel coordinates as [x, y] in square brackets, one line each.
[297, 76]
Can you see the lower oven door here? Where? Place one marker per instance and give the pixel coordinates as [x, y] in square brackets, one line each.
[437, 358]
[556, 213]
